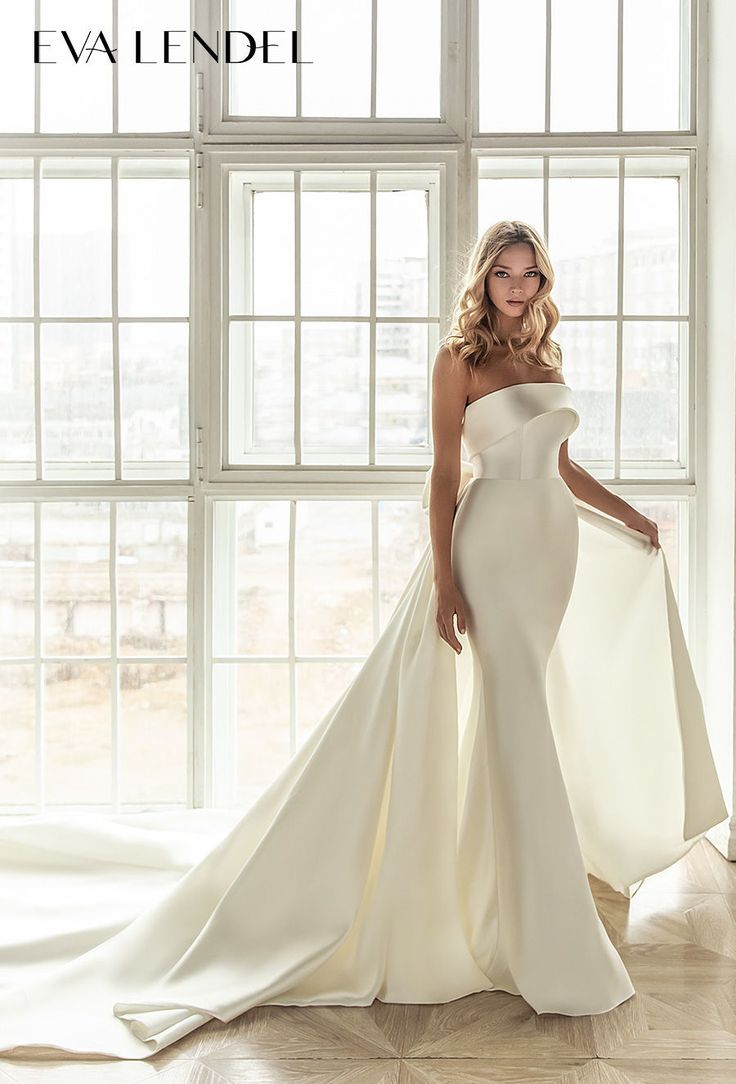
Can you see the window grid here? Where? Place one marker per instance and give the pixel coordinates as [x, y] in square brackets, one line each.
[688, 104]
[201, 491]
[225, 125]
[114, 321]
[436, 177]
[114, 130]
[670, 165]
[223, 514]
[114, 661]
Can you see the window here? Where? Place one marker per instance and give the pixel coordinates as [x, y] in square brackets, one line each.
[586, 68]
[222, 286]
[315, 46]
[94, 350]
[332, 320]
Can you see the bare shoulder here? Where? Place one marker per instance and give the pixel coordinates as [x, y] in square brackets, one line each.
[556, 376]
[450, 376]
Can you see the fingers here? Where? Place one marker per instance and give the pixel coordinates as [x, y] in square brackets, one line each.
[447, 632]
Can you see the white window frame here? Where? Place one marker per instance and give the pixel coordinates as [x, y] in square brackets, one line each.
[212, 95]
[689, 96]
[220, 164]
[213, 142]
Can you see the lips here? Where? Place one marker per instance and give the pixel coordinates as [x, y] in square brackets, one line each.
[515, 302]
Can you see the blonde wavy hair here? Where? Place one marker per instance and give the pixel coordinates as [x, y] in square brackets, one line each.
[474, 326]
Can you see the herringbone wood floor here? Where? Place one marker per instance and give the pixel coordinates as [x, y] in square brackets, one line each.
[677, 937]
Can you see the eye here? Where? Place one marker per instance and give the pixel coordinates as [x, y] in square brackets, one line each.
[497, 273]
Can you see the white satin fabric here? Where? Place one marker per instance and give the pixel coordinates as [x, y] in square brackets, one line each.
[433, 834]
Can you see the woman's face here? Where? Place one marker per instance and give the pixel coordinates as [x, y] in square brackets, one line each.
[513, 279]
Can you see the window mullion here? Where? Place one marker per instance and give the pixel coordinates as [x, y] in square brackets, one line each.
[620, 68]
[40, 768]
[117, 412]
[292, 626]
[37, 375]
[372, 323]
[298, 73]
[297, 317]
[114, 668]
[115, 68]
[548, 69]
[617, 409]
[375, 579]
[374, 57]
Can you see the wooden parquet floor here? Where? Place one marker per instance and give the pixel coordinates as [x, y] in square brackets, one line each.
[677, 937]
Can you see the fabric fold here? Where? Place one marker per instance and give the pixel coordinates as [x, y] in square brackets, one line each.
[346, 880]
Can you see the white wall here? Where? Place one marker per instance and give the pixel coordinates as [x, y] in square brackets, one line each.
[720, 403]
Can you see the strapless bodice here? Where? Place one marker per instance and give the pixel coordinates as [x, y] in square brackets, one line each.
[516, 431]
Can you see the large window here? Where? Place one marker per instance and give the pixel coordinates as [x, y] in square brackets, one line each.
[333, 303]
[222, 286]
[575, 66]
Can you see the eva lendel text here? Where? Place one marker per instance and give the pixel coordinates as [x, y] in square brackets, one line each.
[236, 47]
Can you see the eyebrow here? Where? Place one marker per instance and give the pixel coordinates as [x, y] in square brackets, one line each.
[504, 267]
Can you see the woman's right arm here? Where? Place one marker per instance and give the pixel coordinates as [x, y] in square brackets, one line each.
[449, 395]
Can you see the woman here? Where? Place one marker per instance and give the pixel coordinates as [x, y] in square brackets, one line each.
[502, 325]
[432, 836]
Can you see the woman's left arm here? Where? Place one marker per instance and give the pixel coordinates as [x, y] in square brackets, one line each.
[589, 489]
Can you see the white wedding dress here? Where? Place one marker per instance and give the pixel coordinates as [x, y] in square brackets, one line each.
[433, 834]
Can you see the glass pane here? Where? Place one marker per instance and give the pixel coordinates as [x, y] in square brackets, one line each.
[653, 78]
[589, 366]
[583, 65]
[17, 583]
[154, 374]
[653, 356]
[17, 74]
[76, 94]
[77, 732]
[153, 97]
[654, 271]
[262, 246]
[153, 732]
[510, 189]
[154, 238]
[402, 250]
[17, 430]
[152, 577]
[335, 271]
[263, 726]
[511, 95]
[76, 578]
[75, 238]
[16, 237]
[333, 578]
[409, 38]
[337, 39]
[251, 578]
[266, 90]
[251, 702]
[583, 235]
[18, 762]
[402, 378]
[261, 391]
[403, 533]
[667, 515]
[76, 367]
[335, 392]
[319, 685]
